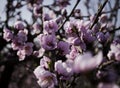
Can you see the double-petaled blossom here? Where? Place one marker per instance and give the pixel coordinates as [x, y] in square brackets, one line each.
[87, 62]
[65, 69]
[19, 25]
[63, 47]
[8, 35]
[48, 42]
[114, 53]
[50, 27]
[46, 79]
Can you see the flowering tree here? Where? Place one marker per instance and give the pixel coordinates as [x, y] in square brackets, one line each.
[60, 48]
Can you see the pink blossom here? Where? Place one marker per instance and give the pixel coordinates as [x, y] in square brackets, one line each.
[8, 35]
[88, 36]
[64, 68]
[45, 78]
[37, 10]
[45, 61]
[102, 37]
[50, 27]
[17, 43]
[27, 48]
[19, 25]
[62, 3]
[36, 28]
[87, 62]
[63, 47]
[39, 53]
[103, 18]
[70, 29]
[48, 42]
[22, 35]
[46, 17]
[114, 53]
[73, 53]
[21, 55]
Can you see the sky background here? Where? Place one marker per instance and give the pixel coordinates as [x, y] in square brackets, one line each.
[27, 15]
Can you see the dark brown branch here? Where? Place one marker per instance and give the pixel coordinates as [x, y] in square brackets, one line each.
[98, 14]
[67, 18]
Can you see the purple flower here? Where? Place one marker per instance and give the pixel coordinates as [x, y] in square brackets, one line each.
[50, 27]
[45, 78]
[45, 61]
[19, 25]
[64, 68]
[48, 42]
[87, 62]
[8, 35]
[63, 47]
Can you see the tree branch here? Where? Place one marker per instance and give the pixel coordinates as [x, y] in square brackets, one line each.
[98, 14]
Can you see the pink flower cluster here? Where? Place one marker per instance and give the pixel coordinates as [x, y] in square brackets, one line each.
[19, 40]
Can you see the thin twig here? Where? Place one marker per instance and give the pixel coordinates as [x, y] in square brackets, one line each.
[67, 18]
[111, 31]
[106, 64]
[98, 14]
[110, 10]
